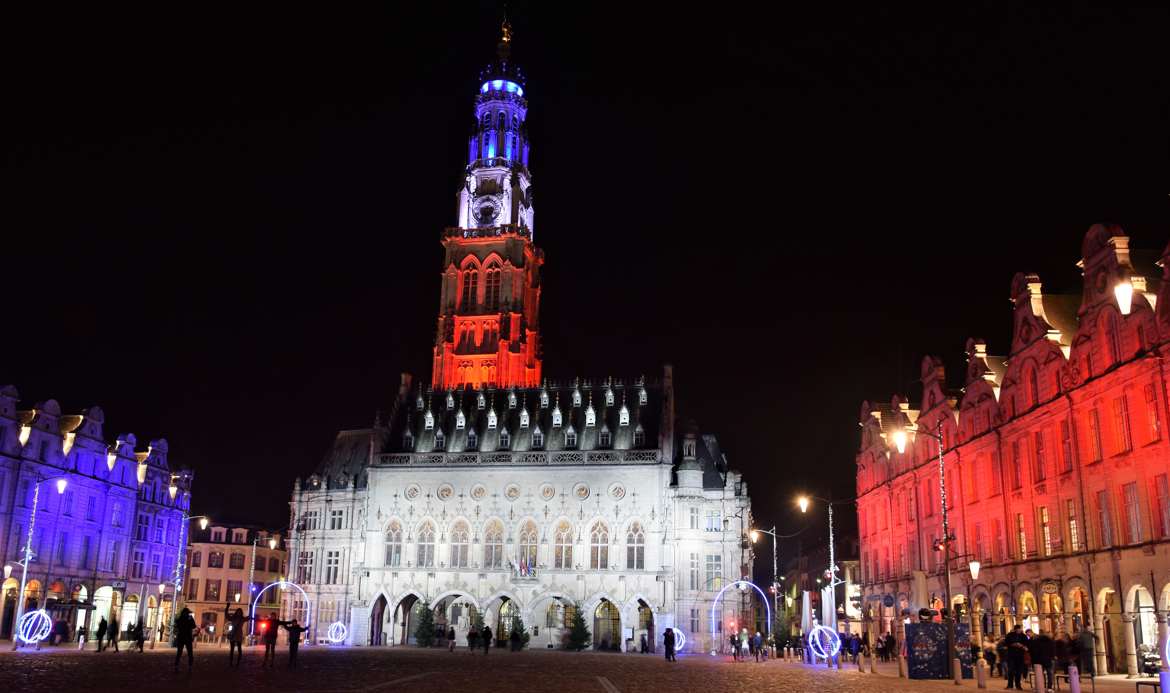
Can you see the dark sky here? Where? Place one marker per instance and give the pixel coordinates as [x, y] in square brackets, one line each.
[222, 226]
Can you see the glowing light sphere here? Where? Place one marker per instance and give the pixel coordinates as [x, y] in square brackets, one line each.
[824, 642]
[34, 626]
[337, 632]
[680, 639]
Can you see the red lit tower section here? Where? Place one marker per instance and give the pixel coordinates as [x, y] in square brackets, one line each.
[488, 327]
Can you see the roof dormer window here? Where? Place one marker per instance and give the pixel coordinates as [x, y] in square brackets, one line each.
[642, 396]
[576, 398]
[590, 416]
[480, 402]
[556, 417]
[624, 416]
[460, 421]
[523, 418]
[492, 418]
[608, 397]
[428, 421]
[511, 400]
[450, 401]
[544, 399]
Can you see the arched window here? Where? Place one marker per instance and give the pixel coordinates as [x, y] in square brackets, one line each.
[552, 616]
[563, 547]
[604, 439]
[440, 441]
[426, 545]
[1112, 337]
[487, 120]
[1033, 387]
[515, 121]
[635, 548]
[624, 416]
[528, 543]
[472, 440]
[500, 121]
[492, 287]
[460, 538]
[570, 438]
[639, 436]
[599, 546]
[537, 439]
[394, 545]
[493, 545]
[505, 439]
[470, 286]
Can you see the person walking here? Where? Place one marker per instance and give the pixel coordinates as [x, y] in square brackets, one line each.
[486, 636]
[271, 628]
[139, 636]
[101, 633]
[472, 639]
[644, 647]
[758, 645]
[1017, 650]
[294, 640]
[235, 622]
[734, 647]
[184, 637]
[451, 639]
[1086, 643]
[667, 643]
[1042, 650]
[113, 633]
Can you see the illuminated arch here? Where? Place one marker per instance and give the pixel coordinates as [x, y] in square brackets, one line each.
[283, 584]
[719, 597]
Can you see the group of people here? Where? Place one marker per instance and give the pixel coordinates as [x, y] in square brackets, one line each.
[107, 635]
[1017, 652]
[474, 637]
[744, 646]
[185, 631]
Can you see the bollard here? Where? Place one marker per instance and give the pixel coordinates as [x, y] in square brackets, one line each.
[957, 670]
[981, 673]
[901, 666]
[840, 664]
[1037, 678]
[1074, 679]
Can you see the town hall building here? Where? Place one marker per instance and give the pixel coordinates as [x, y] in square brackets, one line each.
[493, 493]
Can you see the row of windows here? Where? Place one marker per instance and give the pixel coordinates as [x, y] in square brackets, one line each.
[336, 519]
[1052, 530]
[481, 400]
[67, 552]
[235, 562]
[526, 554]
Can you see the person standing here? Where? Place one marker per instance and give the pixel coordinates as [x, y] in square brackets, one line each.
[1086, 643]
[1017, 649]
[113, 633]
[271, 628]
[758, 645]
[486, 636]
[294, 640]
[667, 643]
[734, 647]
[1042, 649]
[184, 637]
[101, 632]
[451, 639]
[139, 636]
[472, 639]
[235, 622]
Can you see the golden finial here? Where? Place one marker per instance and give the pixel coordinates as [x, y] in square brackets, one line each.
[506, 31]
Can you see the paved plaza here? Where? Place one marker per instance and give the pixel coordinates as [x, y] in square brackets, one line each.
[410, 669]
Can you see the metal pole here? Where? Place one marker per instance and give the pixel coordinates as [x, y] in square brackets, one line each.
[775, 592]
[952, 656]
[832, 572]
[252, 581]
[24, 567]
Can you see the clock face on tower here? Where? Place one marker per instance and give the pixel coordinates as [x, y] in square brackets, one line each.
[485, 209]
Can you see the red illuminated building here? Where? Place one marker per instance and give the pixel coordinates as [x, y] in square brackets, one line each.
[1057, 466]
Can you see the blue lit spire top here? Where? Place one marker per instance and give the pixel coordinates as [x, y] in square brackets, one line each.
[500, 138]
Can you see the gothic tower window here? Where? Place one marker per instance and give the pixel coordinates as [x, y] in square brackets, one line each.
[556, 417]
[505, 439]
[426, 546]
[440, 441]
[604, 439]
[576, 398]
[642, 397]
[428, 421]
[460, 421]
[493, 545]
[537, 439]
[599, 546]
[635, 548]
[608, 397]
[639, 436]
[492, 288]
[590, 416]
[524, 418]
[563, 547]
[570, 438]
[450, 401]
[511, 400]
[470, 287]
[624, 416]
[544, 399]
[472, 439]
[492, 420]
[480, 402]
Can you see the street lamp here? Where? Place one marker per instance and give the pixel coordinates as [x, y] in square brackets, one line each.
[831, 574]
[1123, 291]
[776, 578]
[62, 482]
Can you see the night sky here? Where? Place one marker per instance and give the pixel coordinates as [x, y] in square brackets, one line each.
[223, 225]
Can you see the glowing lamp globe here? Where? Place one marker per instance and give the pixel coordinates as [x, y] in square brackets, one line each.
[803, 503]
[272, 543]
[1124, 293]
[974, 566]
[111, 460]
[755, 536]
[900, 440]
[173, 490]
[61, 484]
[7, 571]
[34, 626]
[203, 523]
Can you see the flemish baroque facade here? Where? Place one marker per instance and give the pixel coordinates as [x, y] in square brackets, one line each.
[494, 494]
[101, 548]
[1056, 465]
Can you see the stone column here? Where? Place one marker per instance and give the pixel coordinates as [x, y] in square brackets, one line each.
[1098, 628]
[1163, 635]
[901, 645]
[1131, 663]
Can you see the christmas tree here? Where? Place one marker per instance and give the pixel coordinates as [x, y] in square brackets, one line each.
[579, 636]
[519, 635]
[424, 632]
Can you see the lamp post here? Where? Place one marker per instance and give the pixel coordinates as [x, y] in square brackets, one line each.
[831, 574]
[181, 553]
[28, 553]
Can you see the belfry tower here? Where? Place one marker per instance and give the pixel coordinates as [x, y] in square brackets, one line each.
[488, 327]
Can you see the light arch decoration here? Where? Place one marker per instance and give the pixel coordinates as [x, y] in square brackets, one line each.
[719, 597]
[284, 585]
[34, 627]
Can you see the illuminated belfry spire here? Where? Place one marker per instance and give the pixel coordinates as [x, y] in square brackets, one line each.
[488, 329]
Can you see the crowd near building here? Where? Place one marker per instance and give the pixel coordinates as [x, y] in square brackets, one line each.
[495, 496]
[228, 567]
[1057, 467]
[107, 525]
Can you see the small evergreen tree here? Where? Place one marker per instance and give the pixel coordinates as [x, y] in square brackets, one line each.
[519, 633]
[579, 635]
[424, 631]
